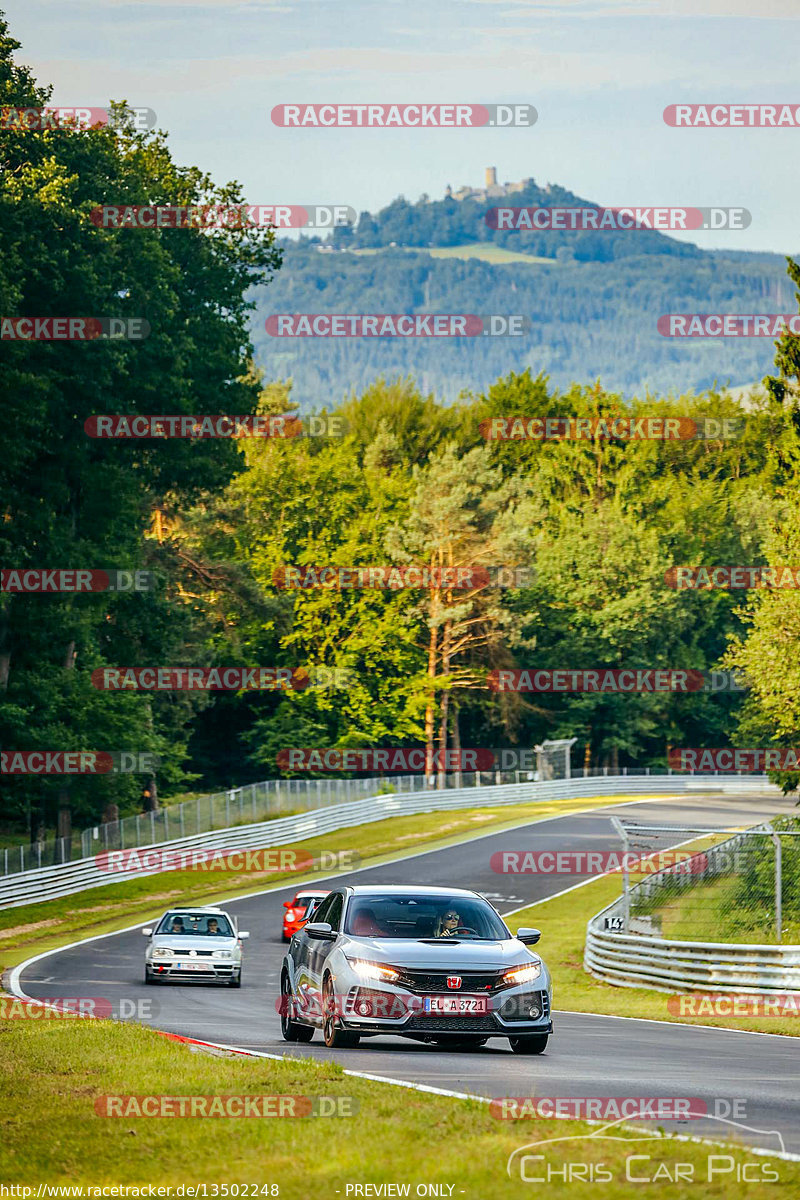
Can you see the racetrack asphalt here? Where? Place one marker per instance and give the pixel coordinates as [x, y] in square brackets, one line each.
[587, 1056]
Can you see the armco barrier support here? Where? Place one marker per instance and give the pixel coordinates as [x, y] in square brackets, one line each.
[48, 883]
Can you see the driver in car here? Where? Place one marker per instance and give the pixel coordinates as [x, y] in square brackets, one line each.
[449, 922]
[177, 926]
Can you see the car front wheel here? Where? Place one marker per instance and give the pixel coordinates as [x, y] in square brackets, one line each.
[537, 1044]
[235, 980]
[291, 1030]
[335, 1038]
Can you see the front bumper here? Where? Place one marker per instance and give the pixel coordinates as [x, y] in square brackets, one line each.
[161, 969]
[388, 1009]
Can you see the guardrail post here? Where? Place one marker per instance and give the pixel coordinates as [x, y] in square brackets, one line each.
[626, 878]
[152, 827]
[776, 841]
[166, 825]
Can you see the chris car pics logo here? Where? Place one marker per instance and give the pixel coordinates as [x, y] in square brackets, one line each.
[578, 1158]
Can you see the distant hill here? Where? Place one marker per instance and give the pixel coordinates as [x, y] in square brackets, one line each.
[593, 300]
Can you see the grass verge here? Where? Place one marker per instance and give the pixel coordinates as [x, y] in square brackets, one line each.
[53, 1073]
[34, 928]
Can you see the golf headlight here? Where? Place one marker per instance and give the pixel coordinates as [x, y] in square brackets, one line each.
[523, 974]
[162, 952]
[373, 970]
[223, 954]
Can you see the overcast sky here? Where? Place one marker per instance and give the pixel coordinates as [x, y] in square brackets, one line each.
[599, 72]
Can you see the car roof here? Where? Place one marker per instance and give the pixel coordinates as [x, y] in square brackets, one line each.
[201, 908]
[405, 889]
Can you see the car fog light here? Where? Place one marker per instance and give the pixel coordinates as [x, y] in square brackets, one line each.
[363, 1008]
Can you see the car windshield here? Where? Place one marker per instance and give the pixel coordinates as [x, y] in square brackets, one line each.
[420, 916]
[188, 924]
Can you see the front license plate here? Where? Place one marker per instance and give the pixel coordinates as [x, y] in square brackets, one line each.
[458, 1006]
[190, 966]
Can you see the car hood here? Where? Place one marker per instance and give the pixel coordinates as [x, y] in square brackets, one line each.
[425, 955]
[193, 942]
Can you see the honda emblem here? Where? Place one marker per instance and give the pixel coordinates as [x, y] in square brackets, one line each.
[454, 981]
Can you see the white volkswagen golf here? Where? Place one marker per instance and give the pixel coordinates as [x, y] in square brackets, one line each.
[194, 943]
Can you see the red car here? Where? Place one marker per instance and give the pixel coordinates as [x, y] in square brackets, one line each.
[298, 911]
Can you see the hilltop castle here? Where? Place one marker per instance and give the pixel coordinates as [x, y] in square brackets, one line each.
[492, 190]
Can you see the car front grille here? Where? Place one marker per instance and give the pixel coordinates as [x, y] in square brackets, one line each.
[427, 1023]
[473, 982]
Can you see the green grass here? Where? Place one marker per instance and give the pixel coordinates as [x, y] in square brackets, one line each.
[713, 912]
[33, 928]
[563, 923]
[52, 1073]
[485, 251]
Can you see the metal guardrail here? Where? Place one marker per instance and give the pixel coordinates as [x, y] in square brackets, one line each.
[65, 879]
[254, 802]
[668, 965]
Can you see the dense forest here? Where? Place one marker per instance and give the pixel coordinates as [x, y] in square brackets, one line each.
[588, 320]
[411, 480]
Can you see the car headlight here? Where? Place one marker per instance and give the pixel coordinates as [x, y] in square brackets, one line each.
[373, 970]
[523, 974]
[162, 952]
[223, 954]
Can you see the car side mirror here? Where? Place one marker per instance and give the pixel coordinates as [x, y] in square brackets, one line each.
[320, 930]
[287, 904]
[529, 937]
[243, 934]
[147, 932]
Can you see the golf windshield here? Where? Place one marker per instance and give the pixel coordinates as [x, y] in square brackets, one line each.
[421, 916]
[183, 924]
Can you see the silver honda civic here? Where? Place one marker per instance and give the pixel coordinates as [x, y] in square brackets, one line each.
[430, 963]
[194, 943]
